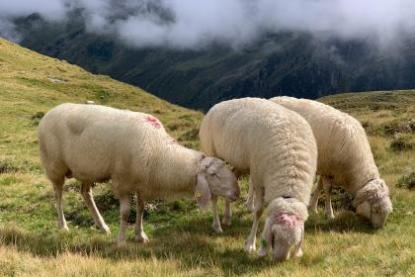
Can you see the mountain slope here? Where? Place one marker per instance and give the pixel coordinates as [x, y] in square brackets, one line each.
[35, 83]
[294, 64]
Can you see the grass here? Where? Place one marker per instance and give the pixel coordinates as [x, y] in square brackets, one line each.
[182, 242]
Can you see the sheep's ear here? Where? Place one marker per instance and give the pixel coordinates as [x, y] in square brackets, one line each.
[202, 191]
[266, 238]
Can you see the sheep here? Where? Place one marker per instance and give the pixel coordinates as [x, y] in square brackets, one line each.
[344, 158]
[94, 143]
[277, 147]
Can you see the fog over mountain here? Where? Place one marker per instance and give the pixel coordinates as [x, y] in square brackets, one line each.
[189, 24]
[198, 52]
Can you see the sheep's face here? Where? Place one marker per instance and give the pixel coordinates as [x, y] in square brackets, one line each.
[284, 233]
[377, 212]
[215, 178]
[376, 205]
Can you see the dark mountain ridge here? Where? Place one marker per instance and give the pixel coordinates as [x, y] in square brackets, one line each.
[288, 63]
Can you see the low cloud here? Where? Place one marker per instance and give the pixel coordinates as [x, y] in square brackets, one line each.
[190, 24]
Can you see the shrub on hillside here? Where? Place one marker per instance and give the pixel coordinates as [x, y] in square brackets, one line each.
[402, 143]
[7, 166]
[407, 181]
[399, 127]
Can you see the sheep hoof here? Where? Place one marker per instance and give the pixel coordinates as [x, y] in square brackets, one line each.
[142, 239]
[106, 230]
[250, 247]
[299, 253]
[217, 229]
[64, 228]
[330, 215]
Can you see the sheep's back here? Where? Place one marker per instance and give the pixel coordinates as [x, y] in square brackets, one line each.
[343, 148]
[96, 141]
[274, 143]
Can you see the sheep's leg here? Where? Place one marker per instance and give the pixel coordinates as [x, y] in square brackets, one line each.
[216, 221]
[86, 192]
[58, 188]
[250, 245]
[227, 217]
[298, 251]
[250, 200]
[140, 236]
[124, 213]
[314, 200]
[327, 194]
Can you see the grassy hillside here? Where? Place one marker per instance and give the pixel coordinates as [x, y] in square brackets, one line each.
[182, 242]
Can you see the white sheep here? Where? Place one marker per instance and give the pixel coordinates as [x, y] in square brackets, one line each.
[344, 158]
[277, 147]
[95, 143]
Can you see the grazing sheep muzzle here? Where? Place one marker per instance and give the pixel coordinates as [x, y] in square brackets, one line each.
[373, 202]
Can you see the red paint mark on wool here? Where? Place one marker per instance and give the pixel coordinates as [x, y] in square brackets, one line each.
[153, 121]
[287, 220]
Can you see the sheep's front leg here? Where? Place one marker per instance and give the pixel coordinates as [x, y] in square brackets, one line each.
[227, 217]
[327, 193]
[250, 245]
[140, 236]
[124, 213]
[86, 192]
[216, 221]
[314, 199]
[250, 200]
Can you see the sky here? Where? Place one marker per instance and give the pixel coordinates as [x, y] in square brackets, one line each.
[191, 24]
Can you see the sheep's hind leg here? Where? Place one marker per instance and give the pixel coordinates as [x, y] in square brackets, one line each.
[216, 221]
[124, 213]
[314, 200]
[58, 188]
[140, 236]
[86, 192]
[327, 194]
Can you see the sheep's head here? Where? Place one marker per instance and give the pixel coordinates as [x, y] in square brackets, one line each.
[373, 202]
[215, 178]
[284, 229]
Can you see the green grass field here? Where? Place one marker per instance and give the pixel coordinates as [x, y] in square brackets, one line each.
[182, 241]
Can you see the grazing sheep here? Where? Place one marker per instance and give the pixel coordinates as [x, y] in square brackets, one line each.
[94, 143]
[277, 147]
[344, 158]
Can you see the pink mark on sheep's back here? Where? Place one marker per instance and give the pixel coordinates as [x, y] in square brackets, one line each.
[287, 220]
[153, 121]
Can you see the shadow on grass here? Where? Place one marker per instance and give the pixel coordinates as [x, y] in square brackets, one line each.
[191, 245]
[345, 221]
[189, 240]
